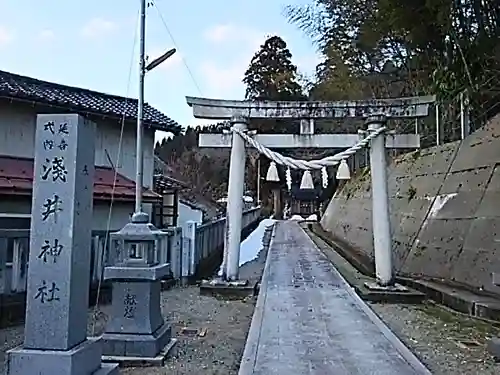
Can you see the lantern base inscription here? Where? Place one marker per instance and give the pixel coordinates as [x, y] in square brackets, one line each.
[83, 359]
[136, 329]
[135, 308]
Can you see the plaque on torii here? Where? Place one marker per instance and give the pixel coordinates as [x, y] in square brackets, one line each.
[376, 112]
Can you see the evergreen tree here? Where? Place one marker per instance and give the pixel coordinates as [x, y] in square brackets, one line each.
[271, 74]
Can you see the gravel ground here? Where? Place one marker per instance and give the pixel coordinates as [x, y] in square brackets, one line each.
[226, 323]
[447, 342]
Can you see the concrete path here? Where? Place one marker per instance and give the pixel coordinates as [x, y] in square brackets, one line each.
[308, 320]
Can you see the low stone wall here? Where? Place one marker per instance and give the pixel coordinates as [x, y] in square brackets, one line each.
[445, 211]
[12, 306]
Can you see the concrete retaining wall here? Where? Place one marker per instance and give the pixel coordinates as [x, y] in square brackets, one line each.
[445, 211]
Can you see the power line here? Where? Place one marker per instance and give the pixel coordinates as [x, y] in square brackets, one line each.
[176, 46]
[119, 151]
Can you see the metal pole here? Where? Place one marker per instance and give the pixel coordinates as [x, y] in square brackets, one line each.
[140, 110]
[235, 200]
[258, 180]
[464, 115]
[439, 138]
[382, 243]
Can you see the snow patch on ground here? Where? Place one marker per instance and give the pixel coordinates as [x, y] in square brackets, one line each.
[252, 245]
[312, 217]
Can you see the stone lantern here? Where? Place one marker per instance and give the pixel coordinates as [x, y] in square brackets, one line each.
[136, 327]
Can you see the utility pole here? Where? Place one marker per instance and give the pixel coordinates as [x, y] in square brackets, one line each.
[145, 335]
[140, 113]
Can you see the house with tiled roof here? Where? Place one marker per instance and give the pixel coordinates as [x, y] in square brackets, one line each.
[22, 98]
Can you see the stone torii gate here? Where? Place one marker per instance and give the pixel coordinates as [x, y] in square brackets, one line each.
[376, 112]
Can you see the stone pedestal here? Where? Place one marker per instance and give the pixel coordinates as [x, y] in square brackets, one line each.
[493, 347]
[136, 332]
[55, 337]
[223, 288]
[83, 359]
[136, 327]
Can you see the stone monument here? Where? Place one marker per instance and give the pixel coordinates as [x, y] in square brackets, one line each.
[57, 294]
[136, 331]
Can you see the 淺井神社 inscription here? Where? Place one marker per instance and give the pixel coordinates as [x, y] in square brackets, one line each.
[50, 251]
[47, 293]
[55, 339]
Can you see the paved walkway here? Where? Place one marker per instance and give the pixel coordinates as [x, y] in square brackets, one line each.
[308, 320]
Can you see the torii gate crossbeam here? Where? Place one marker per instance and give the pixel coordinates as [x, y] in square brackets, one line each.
[308, 141]
[218, 109]
[375, 111]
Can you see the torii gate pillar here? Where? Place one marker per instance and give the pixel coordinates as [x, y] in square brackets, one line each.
[381, 220]
[234, 208]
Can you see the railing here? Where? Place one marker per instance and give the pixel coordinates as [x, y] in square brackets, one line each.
[184, 252]
[171, 253]
[201, 241]
[14, 251]
[14, 254]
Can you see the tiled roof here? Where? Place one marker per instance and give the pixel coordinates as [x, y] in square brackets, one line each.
[162, 183]
[17, 87]
[163, 178]
[16, 178]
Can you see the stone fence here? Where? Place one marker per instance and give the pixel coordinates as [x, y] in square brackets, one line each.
[190, 254]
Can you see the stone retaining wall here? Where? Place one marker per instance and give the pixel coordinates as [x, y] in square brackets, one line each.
[445, 211]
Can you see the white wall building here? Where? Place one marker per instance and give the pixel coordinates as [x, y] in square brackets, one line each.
[22, 98]
[188, 212]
